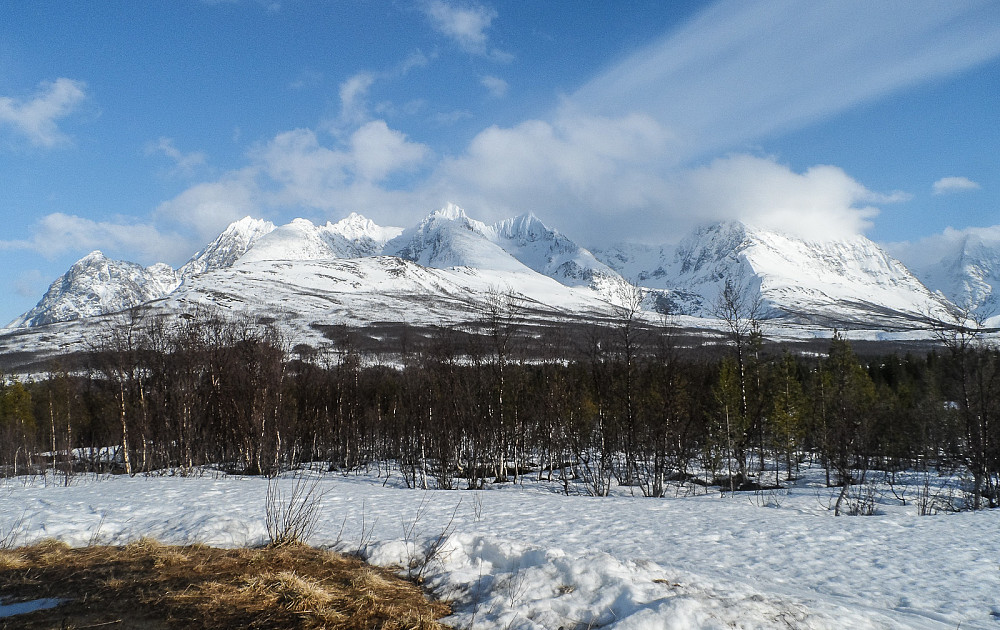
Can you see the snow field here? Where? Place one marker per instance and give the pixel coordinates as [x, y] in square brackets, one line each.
[523, 556]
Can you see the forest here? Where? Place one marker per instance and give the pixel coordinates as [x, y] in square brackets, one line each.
[623, 405]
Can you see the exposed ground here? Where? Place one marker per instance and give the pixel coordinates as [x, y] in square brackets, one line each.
[149, 585]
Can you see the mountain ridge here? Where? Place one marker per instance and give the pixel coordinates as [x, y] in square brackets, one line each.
[848, 281]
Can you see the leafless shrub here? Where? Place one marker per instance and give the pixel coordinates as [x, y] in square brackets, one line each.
[421, 556]
[862, 499]
[291, 517]
[10, 536]
[931, 499]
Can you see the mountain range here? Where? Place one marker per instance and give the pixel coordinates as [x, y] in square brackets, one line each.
[440, 271]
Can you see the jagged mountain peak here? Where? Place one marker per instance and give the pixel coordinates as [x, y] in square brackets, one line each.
[248, 226]
[228, 247]
[96, 285]
[450, 211]
[94, 256]
[298, 239]
[964, 265]
[526, 226]
[548, 252]
[851, 278]
[352, 237]
[450, 238]
[355, 227]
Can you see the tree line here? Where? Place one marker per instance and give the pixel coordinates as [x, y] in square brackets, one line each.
[628, 407]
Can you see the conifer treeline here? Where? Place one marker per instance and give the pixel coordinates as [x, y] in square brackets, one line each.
[629, 409]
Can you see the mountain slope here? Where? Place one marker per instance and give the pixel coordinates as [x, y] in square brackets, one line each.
[355, 236]
[227, 248]
[448, 238]
[966, 269]
[96, 285]
[352, 237]
[442, 268]
[839, 282]
[550, 253]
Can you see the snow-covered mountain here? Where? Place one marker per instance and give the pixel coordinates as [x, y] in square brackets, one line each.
[355, 236]
[352, 237]
[96, 285]
[965, 268]
[441, 269]
[234, 241]
[550, 253]
[449, 238]
[837, 282]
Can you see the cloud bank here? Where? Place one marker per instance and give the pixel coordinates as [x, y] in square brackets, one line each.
[621, 158]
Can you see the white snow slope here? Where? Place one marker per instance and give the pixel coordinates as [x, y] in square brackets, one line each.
[966, 269]
[847, 280]
[527, 557]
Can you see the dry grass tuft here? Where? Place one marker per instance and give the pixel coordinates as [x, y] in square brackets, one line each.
[11, 559]
[149, 585]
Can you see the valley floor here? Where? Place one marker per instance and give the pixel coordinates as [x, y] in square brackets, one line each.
[525, 556]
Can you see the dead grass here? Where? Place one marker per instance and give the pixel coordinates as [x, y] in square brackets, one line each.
[149, 585]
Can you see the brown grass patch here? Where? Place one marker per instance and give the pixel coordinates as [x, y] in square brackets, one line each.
[149, 585]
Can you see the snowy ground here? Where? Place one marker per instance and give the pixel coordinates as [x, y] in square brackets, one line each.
[524, 556]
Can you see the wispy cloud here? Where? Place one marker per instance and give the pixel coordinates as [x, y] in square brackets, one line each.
[305, 79]
[465, 24]
[496, 86]
[947, 185]
[445, 119]
[36, 117]
[741, 70]
[353, 94]
[184, 163]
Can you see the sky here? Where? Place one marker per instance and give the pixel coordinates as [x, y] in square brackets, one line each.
[143, 129]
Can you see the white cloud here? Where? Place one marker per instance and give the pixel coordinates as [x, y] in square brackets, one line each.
[378, 151]
[207, 208]
[35, 118]
[303, 172]
[496, 86]
[184, 163]
[59, 233]
[296, 170]
[741, 70]
[465, 24]
[604, 179]
[417, 59]
[578, 162]
[947, 185]
[353, 93]
[934, 247]
[821, 203]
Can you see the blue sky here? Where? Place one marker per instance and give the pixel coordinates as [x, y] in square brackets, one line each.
[143, 129]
